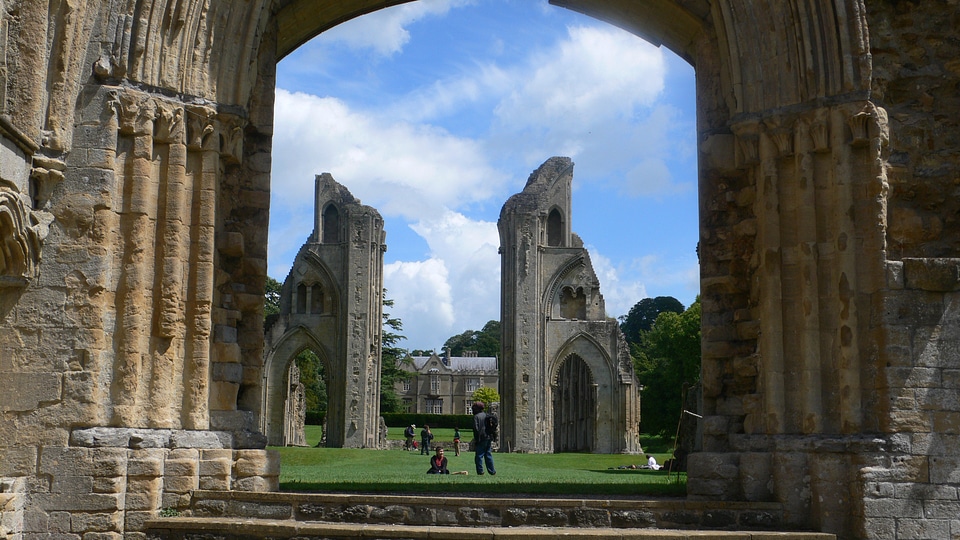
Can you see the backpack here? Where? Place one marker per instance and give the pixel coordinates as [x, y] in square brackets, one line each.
[491, 424]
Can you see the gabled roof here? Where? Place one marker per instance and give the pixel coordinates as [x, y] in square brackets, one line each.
[458, 363]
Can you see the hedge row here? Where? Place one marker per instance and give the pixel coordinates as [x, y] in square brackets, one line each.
[462, 421]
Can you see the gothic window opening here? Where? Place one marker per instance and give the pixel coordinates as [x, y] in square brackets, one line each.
[554, 229]
[434, 381]
[331, 225]
[574, 407]
[301, 298]
[316, 299]
[573, 303]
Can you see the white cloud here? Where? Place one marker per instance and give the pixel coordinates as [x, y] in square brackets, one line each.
[401, 168]
[385, 31]
[624, 285]
[456, 289]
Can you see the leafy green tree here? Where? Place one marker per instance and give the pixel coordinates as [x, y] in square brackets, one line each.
[271, 305]
[314, 381]
[486, 342]
[392, 358]
[486, 395]
[666, 359]
[644, 313]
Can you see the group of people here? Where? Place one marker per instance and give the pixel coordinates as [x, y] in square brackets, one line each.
[483, 437]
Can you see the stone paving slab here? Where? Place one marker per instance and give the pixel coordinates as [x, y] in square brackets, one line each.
[235, 529]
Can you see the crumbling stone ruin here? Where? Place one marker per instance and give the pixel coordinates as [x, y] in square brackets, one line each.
[331, 303]
[567, 382]
[135, 145]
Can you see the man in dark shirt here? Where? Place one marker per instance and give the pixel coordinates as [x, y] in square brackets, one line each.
[482, 440]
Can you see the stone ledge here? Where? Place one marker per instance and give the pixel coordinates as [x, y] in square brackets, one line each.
[487, 511]
[176, 528]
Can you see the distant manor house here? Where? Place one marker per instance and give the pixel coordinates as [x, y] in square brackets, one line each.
[445, 384]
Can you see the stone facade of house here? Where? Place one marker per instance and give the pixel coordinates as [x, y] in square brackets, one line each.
[445, 384]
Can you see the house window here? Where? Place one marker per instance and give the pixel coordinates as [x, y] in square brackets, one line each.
[435, 406]
[406, 385]
[435, 383]
[408, 405]
[473, 383]
[468, 406]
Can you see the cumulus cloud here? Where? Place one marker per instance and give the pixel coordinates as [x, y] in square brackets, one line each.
[626, 283]
[385, 31]
[456, 289]
[404, 169]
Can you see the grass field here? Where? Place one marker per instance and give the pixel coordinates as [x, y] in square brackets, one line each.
[397, 471]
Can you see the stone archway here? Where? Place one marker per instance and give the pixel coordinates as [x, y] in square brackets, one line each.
[827, 142]
[574, 407]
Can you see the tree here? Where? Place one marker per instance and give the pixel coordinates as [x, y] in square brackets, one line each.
[666, 359]
[486, 342]
[271, 304]
[392, 357]
[486, 395]
[314, 381]
[644, 313]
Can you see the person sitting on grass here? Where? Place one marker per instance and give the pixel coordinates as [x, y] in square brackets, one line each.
[438, 463]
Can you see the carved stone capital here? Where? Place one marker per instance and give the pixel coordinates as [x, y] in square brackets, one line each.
[820, 136]
[137, 113]
[169, 126]
[231, 131]
[859, 128]
[780, 132]
[748, 144]
[21, 237]
[200, 128]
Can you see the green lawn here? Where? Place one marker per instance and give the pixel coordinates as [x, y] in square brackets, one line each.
[397, 471]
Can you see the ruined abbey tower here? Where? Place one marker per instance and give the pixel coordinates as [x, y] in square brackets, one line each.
[566, 378]
[331, 303]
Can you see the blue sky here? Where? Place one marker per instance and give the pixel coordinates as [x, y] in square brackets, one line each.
[436, 111]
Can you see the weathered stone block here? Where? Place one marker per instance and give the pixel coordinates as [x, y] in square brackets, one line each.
[180, 467]
[215, 467]
[256, 463]
[145, 467]
[256, 483]
[932, 274]
[756, 476]
[82, 523]
[215, 483]
[106, 536]
[195, 439]
[103, 484]
[180, 484]
[895, 508]
[93, 502]
[25, 391]
[72, 484]
[101, 437]
[223, 395]
[18, 461]
[945, 469]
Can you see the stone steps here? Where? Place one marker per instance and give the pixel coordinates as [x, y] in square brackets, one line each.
[247, 529]
[240, 515]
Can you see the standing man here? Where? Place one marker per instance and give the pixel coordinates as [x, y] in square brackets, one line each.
[425, 437]
[482, 440]
[409, 433]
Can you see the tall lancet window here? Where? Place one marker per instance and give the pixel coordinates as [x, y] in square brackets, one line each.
[554, 229]
[331, 225]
